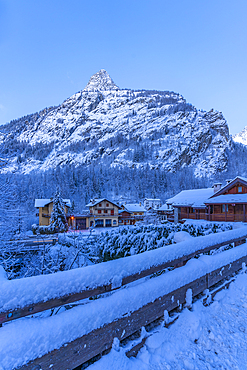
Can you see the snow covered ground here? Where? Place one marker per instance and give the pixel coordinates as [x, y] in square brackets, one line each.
[213, 337]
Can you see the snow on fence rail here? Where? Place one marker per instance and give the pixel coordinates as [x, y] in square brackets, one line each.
[67, 340]
[22, 297]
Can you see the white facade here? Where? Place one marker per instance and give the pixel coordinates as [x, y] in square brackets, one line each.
[152, 203]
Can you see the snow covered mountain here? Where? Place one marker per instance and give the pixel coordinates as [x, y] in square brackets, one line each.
[118, 128]
[241, 137]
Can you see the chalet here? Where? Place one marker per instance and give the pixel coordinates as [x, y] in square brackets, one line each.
[45, 207]
[103, 213]
[130, 213]
[190, 204]
[229, 203]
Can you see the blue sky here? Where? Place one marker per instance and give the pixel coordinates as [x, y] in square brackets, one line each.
[49, 50]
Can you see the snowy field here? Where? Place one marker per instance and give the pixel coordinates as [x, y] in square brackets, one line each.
[213, 337]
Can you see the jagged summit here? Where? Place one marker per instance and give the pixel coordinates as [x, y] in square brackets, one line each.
[101, 81]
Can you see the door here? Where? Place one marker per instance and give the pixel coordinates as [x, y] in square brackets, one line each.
[81, 224]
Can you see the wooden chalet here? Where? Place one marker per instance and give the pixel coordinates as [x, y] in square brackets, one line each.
[229, 203]
[190, 204]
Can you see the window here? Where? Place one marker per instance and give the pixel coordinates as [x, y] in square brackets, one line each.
[240, 189]
[107, 204]
[108, 223]
[99, 210]
[224, 208]
[114, 222]
[112, 212]
[105, 210]
[99, 223]
[100, 205]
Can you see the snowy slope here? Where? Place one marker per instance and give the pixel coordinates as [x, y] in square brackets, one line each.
[118, 127]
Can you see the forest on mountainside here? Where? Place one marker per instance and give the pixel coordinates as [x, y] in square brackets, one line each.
[81, 183]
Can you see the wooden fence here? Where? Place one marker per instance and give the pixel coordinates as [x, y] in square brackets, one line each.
[83, 349]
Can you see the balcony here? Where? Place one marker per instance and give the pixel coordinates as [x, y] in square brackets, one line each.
[47, 215]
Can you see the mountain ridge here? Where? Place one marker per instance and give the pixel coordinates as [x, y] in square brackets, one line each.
[118, 128]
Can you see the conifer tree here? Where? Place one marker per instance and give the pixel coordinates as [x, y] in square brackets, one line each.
[58, 221]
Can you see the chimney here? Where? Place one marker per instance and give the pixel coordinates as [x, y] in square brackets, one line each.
[217, 186]
[140, 204]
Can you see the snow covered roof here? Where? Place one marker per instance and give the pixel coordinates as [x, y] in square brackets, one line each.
[44, 202]
[123, 210]
[228, 198]
[97, 201]
[164, 207]
[192, 198]
[134, 207]
[152, 200]
[230, 183]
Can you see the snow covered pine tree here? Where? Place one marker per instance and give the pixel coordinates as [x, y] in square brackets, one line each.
[58, 221]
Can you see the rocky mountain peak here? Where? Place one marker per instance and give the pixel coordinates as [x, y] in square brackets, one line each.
[118, 129]
[101, 81]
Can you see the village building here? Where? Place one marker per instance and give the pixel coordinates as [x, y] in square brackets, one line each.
[165, 212]
[131, 213]
[190, 204]
[45, 207]
[79, 221]
[152, 203]
[103, 213]
[229, 203]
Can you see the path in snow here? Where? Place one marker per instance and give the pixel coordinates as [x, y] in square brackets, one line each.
[213, 337]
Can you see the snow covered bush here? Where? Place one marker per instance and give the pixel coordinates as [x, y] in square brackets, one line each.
[43, 230]
[130, 240]
[75, 250]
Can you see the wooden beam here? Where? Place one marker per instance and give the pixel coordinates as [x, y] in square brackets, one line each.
[31, 309]
[81, 350]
